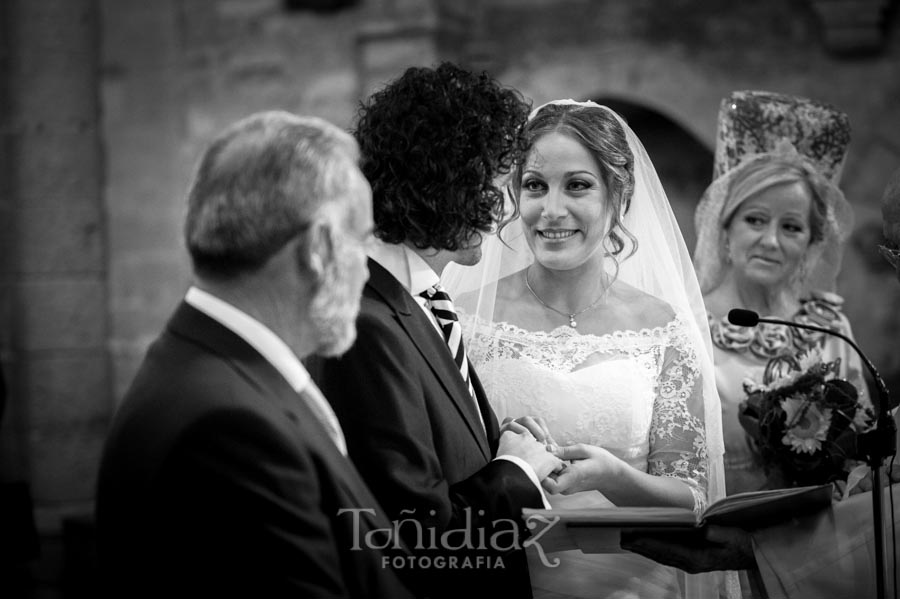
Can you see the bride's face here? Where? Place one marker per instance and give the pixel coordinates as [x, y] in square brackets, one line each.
[563, 202]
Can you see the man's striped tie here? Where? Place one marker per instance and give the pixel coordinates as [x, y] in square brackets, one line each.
[441, 306]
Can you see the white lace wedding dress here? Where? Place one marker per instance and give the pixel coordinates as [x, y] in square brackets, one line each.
[634, 392]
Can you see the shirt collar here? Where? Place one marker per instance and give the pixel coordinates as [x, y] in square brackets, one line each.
[405, 265]
[258, 335]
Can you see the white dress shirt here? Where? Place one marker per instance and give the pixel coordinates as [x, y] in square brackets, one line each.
[416, 276]
[275, 351]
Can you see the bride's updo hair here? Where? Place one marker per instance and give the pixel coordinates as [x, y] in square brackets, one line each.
[601, 134]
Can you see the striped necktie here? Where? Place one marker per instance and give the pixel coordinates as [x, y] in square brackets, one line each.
[437, 300]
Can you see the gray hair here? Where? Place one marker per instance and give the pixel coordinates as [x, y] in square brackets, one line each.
[260, 183]
[761, 175]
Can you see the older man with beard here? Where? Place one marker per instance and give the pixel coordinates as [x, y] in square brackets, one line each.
[225, 473]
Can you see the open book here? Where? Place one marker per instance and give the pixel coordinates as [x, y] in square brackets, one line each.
[596, 530]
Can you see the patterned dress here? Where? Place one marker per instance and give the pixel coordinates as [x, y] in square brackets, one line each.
[742, 353]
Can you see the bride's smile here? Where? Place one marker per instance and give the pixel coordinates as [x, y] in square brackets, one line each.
[556, 234]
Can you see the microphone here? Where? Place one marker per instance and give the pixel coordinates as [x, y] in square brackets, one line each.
[877, 444]
[743, 318]
[749, 318]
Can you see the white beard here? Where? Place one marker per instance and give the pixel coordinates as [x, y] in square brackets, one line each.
[334, 308]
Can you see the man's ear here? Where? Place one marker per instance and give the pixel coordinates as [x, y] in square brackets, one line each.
[317, 247]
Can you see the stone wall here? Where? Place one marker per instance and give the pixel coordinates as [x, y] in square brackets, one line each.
[177, 71]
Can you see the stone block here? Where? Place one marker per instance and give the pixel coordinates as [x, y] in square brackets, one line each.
[385, 57]
[60, 313]
[143, 35]
[13, 455]
[53, 60]
[64, 463]
[8, 238]
[60, 237]
[61, 90]
[54, 160]
[65, 388]
[6, 314]
[247, 9]
[867, 172]
[57, 210]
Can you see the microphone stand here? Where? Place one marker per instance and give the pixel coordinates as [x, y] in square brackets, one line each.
[877, 444]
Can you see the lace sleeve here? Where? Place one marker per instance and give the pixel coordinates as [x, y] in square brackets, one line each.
[677, 433]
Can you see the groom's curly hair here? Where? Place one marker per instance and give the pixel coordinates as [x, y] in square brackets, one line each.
[433, 143]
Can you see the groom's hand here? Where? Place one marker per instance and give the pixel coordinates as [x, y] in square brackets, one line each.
[524, 446]
[532, 424]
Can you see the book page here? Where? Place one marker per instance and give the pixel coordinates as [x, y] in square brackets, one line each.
[758, 509]
[620, 517]
[596, 530]
[743, 509]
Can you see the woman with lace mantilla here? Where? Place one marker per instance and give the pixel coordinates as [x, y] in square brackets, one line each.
[585, 318]
[769, 235]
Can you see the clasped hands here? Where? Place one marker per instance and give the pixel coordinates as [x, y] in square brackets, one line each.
[561, 469]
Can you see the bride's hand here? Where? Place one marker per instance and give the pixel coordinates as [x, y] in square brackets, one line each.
[590, 469]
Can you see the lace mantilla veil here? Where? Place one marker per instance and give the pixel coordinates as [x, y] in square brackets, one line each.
[757, 127]
[661, 266]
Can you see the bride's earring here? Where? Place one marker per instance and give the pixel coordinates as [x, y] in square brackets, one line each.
[727, 251]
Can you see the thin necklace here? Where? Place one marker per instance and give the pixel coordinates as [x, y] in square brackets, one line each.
[572, 322]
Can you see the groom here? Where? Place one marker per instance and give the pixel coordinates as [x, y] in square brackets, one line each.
[417, 422]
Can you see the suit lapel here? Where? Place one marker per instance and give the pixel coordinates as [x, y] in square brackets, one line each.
[491, 426]
[197, 327]
[350, 479]
[431, 345]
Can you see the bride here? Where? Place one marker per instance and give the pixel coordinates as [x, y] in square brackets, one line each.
[585, 312]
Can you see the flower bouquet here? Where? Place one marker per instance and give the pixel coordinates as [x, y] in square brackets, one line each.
[805, 420]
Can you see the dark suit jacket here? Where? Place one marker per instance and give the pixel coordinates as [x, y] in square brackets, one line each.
[413, 432]
[217, 480]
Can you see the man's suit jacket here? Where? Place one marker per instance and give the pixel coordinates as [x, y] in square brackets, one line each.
[413, 431]
[217, 480]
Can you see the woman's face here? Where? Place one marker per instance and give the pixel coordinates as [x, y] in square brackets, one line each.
[769, 234]
[563, 202]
